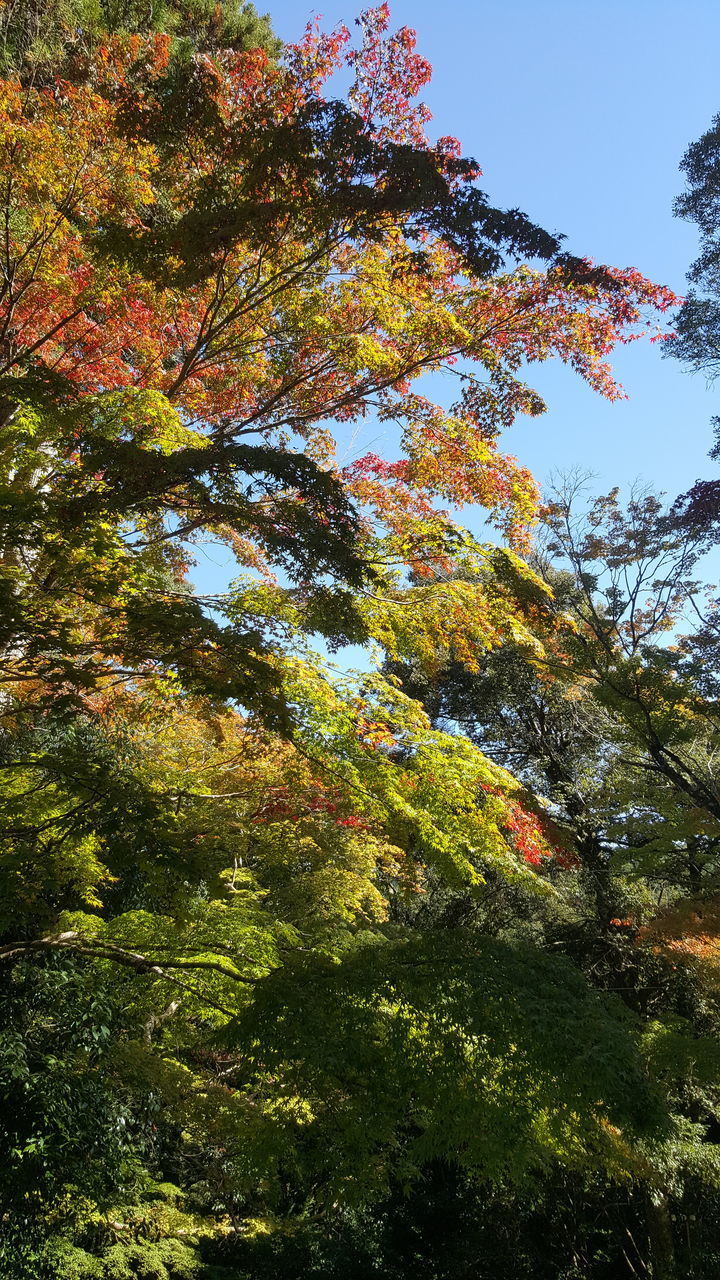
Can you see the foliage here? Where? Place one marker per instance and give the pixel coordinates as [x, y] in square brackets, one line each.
[206, 263]
[35, 37]
[284, 944]
[614, 725]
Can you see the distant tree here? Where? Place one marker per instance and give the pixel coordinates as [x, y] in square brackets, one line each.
[698, 327]
[36, 36]
[697, 339]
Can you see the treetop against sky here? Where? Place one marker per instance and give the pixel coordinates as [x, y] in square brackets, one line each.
[579, 114]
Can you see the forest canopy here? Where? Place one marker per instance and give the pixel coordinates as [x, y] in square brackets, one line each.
[308, 971]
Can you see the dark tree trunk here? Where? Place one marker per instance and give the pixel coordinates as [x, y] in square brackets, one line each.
[660, 1237]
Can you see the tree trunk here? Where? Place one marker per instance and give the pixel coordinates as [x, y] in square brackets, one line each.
[660, 1239]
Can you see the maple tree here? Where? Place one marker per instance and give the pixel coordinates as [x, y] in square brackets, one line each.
[193, 297]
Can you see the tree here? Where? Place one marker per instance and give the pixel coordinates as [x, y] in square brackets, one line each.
[36, 37]
[696, 341]
[191, 294]
[614, 725]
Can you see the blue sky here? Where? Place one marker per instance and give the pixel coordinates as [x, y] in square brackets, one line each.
[579, 114]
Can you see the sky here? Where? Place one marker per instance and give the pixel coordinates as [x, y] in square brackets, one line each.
[579, 114]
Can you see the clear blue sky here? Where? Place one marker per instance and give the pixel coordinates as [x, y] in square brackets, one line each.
[579, 114]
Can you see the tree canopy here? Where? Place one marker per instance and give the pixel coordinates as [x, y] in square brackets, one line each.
[294, 952]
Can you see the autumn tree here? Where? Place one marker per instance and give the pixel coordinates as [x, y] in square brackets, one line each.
[179, 334]
[220, 854]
